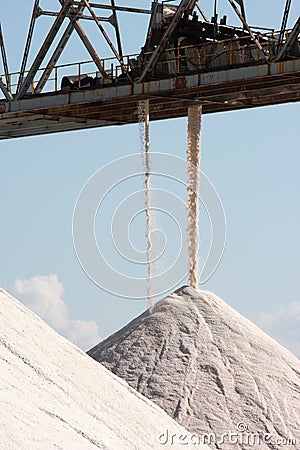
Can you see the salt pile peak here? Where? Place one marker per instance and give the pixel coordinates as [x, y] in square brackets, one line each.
[52, 395]
[209, 368]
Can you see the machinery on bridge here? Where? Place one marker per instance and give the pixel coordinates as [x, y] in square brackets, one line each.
[181, 40]
[221, 62]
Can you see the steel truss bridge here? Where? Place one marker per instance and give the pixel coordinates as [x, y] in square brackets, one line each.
[187, 59]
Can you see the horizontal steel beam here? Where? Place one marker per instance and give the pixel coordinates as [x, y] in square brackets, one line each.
[227, 90]
[41, 125]
[75, 16]
[118, 8]
[117, 92]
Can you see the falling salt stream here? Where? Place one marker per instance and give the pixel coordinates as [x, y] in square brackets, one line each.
[193, 187]
[143, 114]
[193, 160]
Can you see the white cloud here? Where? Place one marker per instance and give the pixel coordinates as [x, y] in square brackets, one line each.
[44, 296]
[83, 334]
[284, 326]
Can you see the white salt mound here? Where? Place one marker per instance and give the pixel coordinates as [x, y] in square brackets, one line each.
[53, 396]
[210, 369]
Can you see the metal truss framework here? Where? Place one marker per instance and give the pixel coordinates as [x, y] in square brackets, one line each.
[189, 4]
[73, 10]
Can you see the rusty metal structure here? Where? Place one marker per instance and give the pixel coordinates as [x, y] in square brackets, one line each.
[186, 59]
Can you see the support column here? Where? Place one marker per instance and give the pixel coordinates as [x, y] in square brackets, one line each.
[193, 188]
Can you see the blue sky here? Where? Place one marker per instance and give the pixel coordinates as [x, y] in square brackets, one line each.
[251, 157]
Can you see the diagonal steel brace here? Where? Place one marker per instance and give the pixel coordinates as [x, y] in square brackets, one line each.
[165, 38]
[293, 35]
[44, 49]
[4, 58]
[106, 37]
[5, 91]
[28, 44]
[61, 45]
[246, 26]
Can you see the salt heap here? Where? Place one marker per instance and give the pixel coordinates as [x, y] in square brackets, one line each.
[53, 396]
[210, 369]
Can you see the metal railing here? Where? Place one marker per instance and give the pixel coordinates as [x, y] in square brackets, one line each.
[204, 57]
